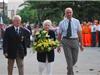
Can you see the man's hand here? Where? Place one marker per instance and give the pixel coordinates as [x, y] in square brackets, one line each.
[81, 48]
[6, 55]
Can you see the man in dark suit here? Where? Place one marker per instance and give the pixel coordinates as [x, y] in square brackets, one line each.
[14, 45]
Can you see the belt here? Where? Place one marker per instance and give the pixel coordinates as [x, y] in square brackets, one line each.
[70, 38]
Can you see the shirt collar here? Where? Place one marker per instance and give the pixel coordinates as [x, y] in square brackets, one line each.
[16, 28]
[68, 19]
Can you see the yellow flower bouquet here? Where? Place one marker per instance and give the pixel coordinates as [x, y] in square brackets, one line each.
[43, 42]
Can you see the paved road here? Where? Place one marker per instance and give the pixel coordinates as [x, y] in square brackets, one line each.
[88, 63]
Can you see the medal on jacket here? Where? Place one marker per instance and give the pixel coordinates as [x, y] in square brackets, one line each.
[22, 38]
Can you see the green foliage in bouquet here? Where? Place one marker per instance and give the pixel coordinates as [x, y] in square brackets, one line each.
[43, 42]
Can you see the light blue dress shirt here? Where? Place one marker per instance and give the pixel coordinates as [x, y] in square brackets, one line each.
[75, 27]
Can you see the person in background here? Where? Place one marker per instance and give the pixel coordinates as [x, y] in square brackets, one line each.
[29, 34]
[36, 28]
[83, 32]
[2, 29]
[88, 37]
[93, 34]
[28, 27]
[96, 22]
[98, 32]
[87, 34]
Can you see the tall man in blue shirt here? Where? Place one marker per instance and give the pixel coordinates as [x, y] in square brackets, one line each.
[71, 39]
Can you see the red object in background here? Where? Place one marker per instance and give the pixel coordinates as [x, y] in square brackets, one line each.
[86, 34]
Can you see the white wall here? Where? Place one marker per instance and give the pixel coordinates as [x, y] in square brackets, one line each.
[6, 1]
[13, 5]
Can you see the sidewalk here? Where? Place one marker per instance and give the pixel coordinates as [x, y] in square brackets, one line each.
[88, 63]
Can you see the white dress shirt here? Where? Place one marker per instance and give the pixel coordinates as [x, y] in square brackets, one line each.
[16, 28]
[93, 28]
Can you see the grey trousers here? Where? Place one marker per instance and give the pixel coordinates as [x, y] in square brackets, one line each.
[71, 49]
[19, 62]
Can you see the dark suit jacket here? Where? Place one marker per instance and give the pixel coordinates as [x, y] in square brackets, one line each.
[41, 56]
[13, 43]
[29, 28]
[27, 32]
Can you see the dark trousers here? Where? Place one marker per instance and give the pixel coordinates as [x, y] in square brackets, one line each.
[93, 41]
[71, 49]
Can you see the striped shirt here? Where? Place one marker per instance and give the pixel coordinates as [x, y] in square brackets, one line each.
[75, 27]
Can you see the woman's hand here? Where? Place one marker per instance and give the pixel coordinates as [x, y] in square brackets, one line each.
[6, 55]
[59, 49]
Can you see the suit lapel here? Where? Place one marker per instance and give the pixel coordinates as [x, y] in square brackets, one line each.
[13, 32]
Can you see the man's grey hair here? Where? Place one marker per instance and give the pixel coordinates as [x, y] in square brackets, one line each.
[17, 16]
[47, 22]
[69, 8]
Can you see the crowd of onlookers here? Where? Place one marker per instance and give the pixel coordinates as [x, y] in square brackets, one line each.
[91, 33]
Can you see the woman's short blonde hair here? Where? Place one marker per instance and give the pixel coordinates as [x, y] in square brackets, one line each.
[47, 22]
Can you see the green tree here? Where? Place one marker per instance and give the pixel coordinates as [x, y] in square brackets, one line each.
[54, 10]
[28, 15]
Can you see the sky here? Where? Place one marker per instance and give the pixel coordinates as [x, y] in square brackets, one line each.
[6, 1]
[13, 4]
[11, 1]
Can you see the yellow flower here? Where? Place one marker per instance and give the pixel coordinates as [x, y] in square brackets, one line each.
[37, 33]
[39, 45]
[35, 43]
[47, 35]
[43, 43]
[44, 31]
[52, 42]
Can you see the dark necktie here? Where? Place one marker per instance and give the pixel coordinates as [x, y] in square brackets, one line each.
[69, 33]
[17, 30]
